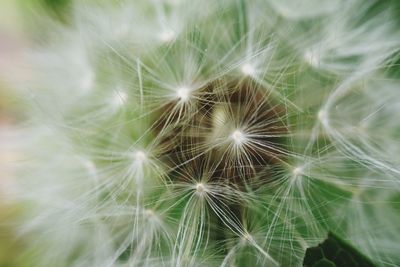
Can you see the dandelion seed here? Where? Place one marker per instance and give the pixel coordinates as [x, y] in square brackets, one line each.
[167, 36]
[152, 217]
[248, 69]
[323, 117]
[119, 99]
[183, 93]
[297, 171]
[200, 189]
[312, 58]
[90, 167]
[87, 82]
[140, 156]
[149, 213]
[238, 137]
[247, 238]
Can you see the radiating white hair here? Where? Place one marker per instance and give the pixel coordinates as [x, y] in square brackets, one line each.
[132, 107]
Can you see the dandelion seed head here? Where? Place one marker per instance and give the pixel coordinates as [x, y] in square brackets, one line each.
[212, 142]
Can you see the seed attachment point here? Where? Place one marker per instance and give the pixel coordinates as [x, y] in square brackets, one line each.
[140, 156]
[248, 69]
[167, 36]
[238, 137]
[183, 94]
[200, 189]
[323, 117]
[297, 171]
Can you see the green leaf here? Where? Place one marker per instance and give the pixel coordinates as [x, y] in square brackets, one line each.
[335, 252]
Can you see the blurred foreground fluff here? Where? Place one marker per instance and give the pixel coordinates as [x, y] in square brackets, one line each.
[208, 133]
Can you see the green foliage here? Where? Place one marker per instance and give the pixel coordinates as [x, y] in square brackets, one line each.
[335, 252]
